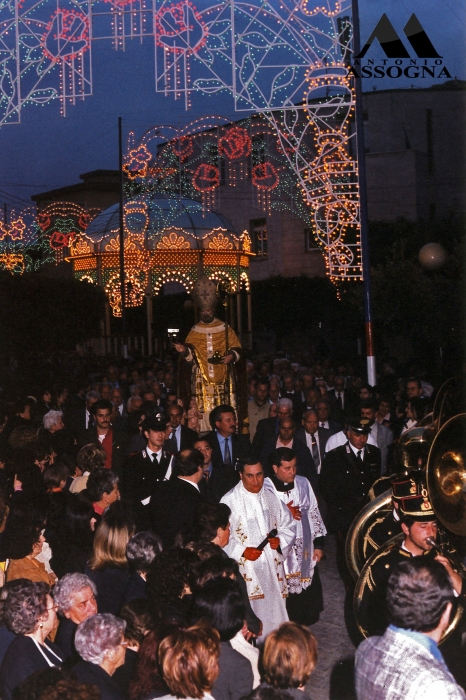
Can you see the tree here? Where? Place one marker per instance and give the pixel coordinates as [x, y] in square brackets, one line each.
[39, 312]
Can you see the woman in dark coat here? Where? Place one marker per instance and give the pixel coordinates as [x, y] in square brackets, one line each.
[31, 614]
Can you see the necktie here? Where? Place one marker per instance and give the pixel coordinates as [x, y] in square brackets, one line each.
[339, 400]
[359, 456]
[322, 425]
[315, 451]
[206, 476]
[227, 455]
[173, 443]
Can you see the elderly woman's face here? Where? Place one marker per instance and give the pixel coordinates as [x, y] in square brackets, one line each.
[50, 621]
[84, 605]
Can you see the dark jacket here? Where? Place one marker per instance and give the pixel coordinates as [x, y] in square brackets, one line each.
[65, 639]
[141, 475]
[323, 434]
[304, 463]
[172, 508]
[23, 659]
[135, 589]
[345, 483]
[221, 480]
[266, 428]
[188, 438]
[241, 448]
[86, 672]
[235, 678]
[119, 440]
[111, 584]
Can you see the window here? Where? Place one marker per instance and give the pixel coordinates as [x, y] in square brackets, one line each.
[310, 242]
[258, 231]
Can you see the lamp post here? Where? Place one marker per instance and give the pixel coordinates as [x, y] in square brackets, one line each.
[122, 240]
[366, 267]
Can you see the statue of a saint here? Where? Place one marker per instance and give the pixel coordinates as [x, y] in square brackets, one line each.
[211, 365]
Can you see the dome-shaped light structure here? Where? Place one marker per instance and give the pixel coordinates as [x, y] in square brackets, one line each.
[166, 239]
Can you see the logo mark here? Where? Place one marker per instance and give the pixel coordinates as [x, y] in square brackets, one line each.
[393, 46]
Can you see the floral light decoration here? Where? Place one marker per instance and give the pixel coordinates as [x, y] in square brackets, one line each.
[66, 35]
[206, 179]
[136, 162]
[173, 242]
[181, 32]
[220, 242]
[235, 145]
[22, 248]
[134, 291]
[183, 147]
[265, 178]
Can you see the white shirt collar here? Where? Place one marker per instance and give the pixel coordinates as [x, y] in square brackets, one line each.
[188, 481]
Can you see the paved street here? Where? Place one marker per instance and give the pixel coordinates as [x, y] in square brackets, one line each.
[332, 679]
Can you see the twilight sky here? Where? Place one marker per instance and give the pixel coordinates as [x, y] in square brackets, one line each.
[47, 151]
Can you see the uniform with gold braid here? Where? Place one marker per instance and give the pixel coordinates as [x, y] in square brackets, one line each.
[438, 492]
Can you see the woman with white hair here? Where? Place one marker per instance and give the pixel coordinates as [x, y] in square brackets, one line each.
[100, 642]
[75, 596]
[55, 433]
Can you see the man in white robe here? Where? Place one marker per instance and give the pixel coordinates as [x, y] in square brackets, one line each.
[255, 512]
[305, 600]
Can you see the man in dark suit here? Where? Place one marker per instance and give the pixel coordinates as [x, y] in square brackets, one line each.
[181, 438]
[288, 392]
[217, 480]
[81, 418]
[103, 434]
[174, 503]
[268, 427]
[143, 470]
[286, 438]
[323, 411]
[314, 437]
[227, 447]
[119, 414]
[342, 401]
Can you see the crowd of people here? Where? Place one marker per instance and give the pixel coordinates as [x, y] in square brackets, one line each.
[143, 556]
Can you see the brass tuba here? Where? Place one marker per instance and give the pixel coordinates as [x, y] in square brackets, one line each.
[446, 483]
[359, 541]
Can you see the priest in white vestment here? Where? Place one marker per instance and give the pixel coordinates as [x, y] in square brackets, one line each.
[305, 600]
[255, 512]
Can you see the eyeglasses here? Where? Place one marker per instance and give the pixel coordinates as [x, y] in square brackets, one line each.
[54, 607]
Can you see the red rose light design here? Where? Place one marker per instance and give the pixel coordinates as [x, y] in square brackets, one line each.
[265, 176]
[58, 239]
[235, 144]
[44, 220]
[183, 147]
[206, 178]
[179, 27]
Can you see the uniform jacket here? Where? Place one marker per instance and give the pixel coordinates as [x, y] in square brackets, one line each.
[396, 667]
[345, 485]
[140, 475]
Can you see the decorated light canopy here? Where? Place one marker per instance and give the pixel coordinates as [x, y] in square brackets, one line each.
[166, 239]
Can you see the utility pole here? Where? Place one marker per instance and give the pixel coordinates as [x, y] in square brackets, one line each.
[366, 266]
[122, 240]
